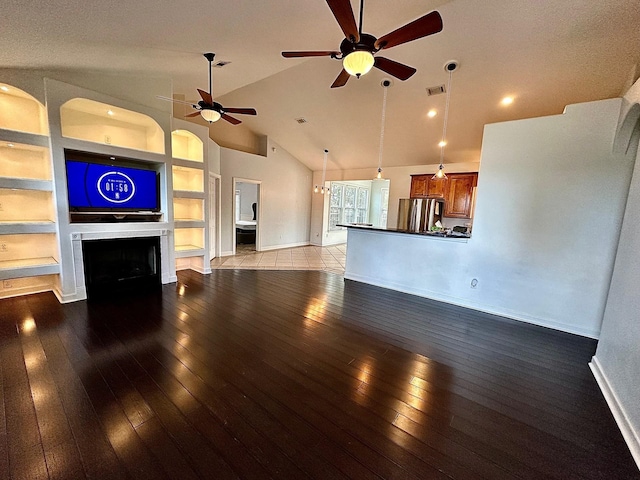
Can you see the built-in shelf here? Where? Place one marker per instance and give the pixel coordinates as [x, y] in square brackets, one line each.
[189, 239]
[24, 161]
[188, 179]
[189, 223]
[188, 209]
[186, 146]
[96, 122]
[24, 227]
[28, 267]
[28, 242]
[21, 112]
[26, 184]
[187, 251]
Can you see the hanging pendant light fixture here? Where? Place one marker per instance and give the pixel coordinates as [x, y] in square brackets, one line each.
[449, 67]
[322, 190]
[385, 86]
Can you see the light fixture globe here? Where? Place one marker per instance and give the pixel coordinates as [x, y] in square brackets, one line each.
[210, 115]
[358, 62]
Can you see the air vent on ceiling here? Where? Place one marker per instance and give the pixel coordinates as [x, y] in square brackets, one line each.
[221, 64]
[301, 120]
[435, 90]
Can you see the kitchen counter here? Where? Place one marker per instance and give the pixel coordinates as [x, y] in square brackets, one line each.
[449, 236]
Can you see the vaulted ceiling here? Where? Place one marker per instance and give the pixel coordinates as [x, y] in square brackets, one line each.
[546, 54]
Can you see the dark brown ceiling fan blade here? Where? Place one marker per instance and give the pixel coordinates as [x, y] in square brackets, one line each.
[206, 97]
[231, 120]
[428, 25]
[398, 70]
[241, 111]
[343, 12]
[326, 53]
[194, 114]
[341, 80]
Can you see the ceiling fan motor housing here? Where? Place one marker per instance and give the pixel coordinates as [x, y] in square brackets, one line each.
[366, 43]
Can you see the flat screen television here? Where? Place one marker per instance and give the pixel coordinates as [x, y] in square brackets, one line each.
[94, 186]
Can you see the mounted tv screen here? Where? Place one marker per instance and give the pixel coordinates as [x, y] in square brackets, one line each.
[100, 187]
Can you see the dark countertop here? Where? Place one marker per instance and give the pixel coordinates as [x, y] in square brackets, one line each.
[452, 235]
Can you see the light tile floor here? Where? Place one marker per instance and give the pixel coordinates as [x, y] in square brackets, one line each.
[331, 259]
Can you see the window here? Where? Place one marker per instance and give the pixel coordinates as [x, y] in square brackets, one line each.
[348, 204]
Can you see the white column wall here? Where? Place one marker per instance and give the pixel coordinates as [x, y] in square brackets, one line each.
[616, 363]
[549, 206]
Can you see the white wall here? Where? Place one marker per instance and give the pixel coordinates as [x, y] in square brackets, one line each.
[549, 207]
[248, 196]
[285, 203]
[616, 363]
[399, 187]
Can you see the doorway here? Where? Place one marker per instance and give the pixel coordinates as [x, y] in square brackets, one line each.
[246, 208]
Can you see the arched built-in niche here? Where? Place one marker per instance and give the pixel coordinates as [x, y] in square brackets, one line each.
[187, 146]
[628, 132]
[97, 122]
[21, 112]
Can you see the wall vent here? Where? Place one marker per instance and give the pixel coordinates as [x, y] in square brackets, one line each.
[301, 120]
[436, 90]
[221, 64]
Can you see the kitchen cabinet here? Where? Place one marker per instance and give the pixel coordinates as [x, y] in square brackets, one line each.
[459, 194]
[419, 186]
[457, 190]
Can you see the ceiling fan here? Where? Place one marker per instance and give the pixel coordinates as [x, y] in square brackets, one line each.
[357, 50]
[209, 110]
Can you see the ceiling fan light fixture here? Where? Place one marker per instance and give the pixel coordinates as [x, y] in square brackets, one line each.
[358, 63]
[210, 115]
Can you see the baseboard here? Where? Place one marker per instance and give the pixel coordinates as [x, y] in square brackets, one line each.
[19, 292]
[228, 253]
[286, 245]
[541, 322]
[630, 435]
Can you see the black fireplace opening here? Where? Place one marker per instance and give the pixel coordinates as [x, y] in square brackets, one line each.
[123, 265]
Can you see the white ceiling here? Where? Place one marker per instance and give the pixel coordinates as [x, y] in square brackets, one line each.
[547, 54]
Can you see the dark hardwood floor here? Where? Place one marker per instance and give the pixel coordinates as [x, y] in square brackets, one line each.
[292, 375]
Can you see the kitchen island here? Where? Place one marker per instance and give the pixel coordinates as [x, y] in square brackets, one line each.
[421, 263]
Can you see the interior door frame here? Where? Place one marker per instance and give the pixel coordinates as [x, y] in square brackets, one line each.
[237, 180]
[215, 208]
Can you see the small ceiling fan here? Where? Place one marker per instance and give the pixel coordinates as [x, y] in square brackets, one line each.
[209, 110]
[357, 50]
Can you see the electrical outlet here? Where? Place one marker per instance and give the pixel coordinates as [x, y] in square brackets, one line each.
[3, 247]
[7, 284]
[474, 282]
[107, 139]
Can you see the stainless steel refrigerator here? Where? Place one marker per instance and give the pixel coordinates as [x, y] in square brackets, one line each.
[419, 214]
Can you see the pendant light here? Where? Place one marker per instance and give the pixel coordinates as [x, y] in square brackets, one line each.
[324, 175]
[449, 67]
[385, 86]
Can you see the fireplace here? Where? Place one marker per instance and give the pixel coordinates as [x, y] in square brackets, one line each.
[121, 265]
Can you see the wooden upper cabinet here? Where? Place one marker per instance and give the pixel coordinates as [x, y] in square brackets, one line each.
[437, 187]
[459, 197]
[456, 189]
[419, 186]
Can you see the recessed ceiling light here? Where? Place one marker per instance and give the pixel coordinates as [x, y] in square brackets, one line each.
[432, 113]
[10, 145]
[442, 143]
[507, 101]
[109, 112]
[4, 88]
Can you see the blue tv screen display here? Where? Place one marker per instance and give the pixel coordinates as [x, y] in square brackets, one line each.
[95, 186]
